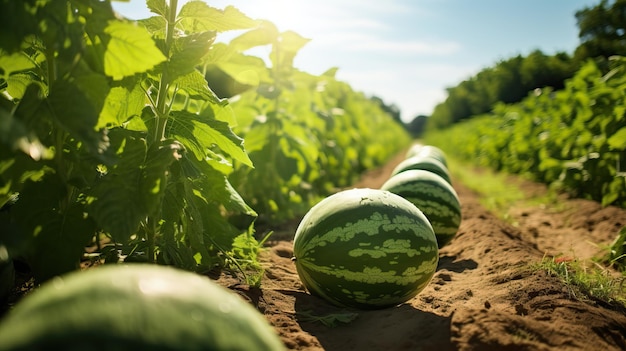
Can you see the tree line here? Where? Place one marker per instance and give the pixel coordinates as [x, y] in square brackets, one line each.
[602, 33]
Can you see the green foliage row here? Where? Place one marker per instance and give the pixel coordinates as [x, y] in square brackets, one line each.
[573, 139]
[111, 136]
[307, 135]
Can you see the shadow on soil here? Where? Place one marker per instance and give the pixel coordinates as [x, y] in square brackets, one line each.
[397, 328]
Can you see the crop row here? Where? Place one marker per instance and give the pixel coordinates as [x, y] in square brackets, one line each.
[112, 135]
[573, 139]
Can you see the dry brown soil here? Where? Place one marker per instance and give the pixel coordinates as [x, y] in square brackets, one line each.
[484, 295]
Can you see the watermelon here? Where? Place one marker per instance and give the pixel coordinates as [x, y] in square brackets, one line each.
[427, 163]
[135, 307]
[414, 150]
[435, 197]
[427, 151]
[365, 248]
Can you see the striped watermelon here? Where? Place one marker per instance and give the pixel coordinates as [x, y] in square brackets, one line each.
[427, 151]
[435, 197]
[135, 307]
[427, 163]
[365, 248]
[414, 150]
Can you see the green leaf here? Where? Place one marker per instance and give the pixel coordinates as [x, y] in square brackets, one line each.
[56, 236]
[155, 26]
[197, 88]
[133, 188]
[618, 140]
[187, 53]
[130, 50]
[87, 94]
[158, 7]
[265, 34]
[15, 133]
[199, 135]
[285, 50]
[246, 70]
[115, 201]
[197, 16]
[122, 103]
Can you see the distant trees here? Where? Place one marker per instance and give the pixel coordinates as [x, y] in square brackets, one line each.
[417, 126]
[602, 30]
[393, 110]
[508, 81]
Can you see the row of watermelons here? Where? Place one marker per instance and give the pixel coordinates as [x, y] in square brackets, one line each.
[366, 248]
[376, 248]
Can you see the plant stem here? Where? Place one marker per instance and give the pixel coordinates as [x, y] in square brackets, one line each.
[162, 109]
[151, 229]
[165, 81]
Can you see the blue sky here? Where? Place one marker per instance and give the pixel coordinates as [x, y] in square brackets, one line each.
[408, 51]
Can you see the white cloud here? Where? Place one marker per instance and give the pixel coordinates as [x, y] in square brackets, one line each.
[404, 47]
[414, 88]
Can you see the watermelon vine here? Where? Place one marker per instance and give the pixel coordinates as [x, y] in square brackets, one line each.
[110, 134]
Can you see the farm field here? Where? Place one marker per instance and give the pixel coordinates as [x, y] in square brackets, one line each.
[484, 296]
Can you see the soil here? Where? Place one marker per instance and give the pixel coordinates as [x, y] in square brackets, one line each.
[483, 296]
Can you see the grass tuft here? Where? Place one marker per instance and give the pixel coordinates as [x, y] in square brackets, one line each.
[585, 280]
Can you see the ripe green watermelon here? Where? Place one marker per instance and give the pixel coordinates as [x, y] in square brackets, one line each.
[414, 150]
[427, 163]
[365, 248]
[135, 307]
[427, 151]
[435, 197]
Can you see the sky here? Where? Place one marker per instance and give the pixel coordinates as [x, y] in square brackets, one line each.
[407, 52]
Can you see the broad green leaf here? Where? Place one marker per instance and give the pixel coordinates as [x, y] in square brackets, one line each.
[15, 62]
[17, 84]
[246, 70]
[618, 140]
[87, 94]
[158, 7]
[197, 16]
[187, 53]
[17, 22]
[265, 34]
[121, 104]
[155, 26]
[285, 50]
[56, 236]
[58, 248]
[130, 50]
[196, 86]
[15, 134]
[199, 135]
[331, 72]
[291, 41]
[220, 52]
[115, 202]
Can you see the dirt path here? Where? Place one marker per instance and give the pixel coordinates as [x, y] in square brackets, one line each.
[482, 297]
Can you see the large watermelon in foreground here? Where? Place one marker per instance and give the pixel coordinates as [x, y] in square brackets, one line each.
[365, 248]
[435, 197]
[135, 307]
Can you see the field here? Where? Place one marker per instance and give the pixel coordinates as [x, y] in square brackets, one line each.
[485, 295]
[152, 141]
